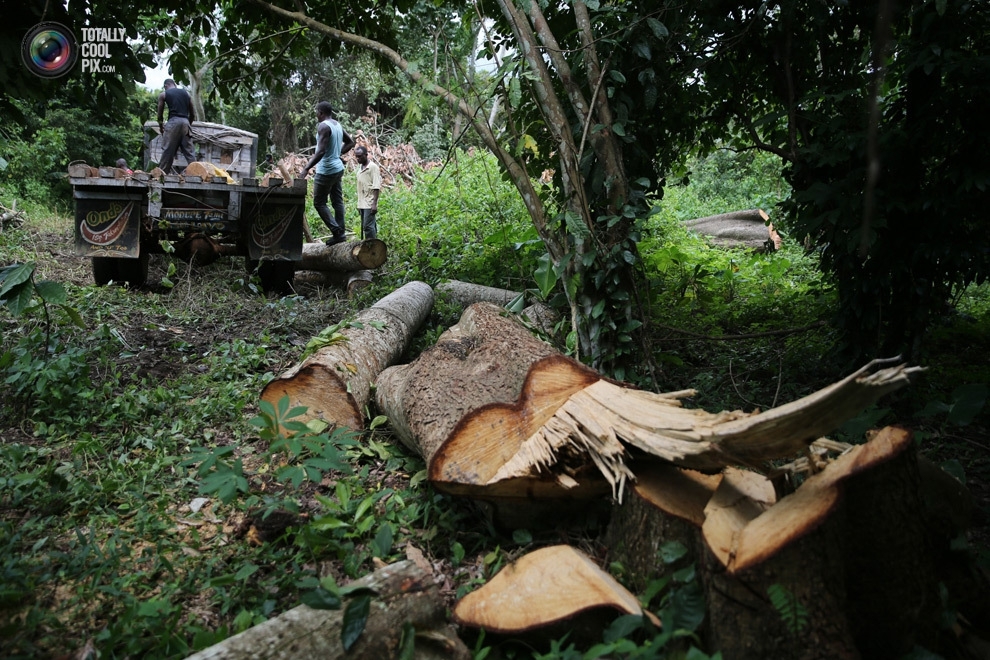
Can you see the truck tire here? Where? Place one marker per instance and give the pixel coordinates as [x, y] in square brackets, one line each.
[133, 271]
[277, 276]
[104, 270]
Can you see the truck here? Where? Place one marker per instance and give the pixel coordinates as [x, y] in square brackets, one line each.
[216, 208]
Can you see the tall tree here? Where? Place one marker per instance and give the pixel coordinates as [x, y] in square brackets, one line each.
[877, 110]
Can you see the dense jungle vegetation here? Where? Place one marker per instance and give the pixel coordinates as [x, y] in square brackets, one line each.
[133, 447]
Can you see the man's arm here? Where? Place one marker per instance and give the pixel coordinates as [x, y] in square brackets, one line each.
[348, 143]
[376, 185]
[192, 109]
[322, 140]
[161, 112]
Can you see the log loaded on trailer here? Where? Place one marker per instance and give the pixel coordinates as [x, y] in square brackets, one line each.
[214, 207]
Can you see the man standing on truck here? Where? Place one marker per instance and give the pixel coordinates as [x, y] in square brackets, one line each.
[332, 141]
[175, 134]
[369, 186]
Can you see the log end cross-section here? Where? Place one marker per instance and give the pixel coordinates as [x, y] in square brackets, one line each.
[542, 588]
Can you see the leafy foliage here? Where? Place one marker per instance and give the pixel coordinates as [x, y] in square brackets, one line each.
[791, 610]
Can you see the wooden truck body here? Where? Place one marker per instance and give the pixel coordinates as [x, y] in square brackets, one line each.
[120, 218]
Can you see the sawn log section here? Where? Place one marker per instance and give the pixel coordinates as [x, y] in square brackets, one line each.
[335, 382]
[497, 413]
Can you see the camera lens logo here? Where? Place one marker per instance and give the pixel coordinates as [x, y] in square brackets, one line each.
[49, 50]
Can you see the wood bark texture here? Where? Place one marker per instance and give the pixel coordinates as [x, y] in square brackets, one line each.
[449, 404]
[347, 256]
[335, 382]
[497, 413]
[748, 228]
[406, 597]
[350, 281]
[466, 294]
[817, 574]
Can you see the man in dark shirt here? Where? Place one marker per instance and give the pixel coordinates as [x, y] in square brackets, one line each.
[175, 134]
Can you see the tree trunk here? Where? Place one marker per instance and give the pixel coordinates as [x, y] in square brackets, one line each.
[737, 229]
[350, 281]
[406, 608]
[818, 574]
[496, 413]
[468, 293]
[335, 382]
[349, 256]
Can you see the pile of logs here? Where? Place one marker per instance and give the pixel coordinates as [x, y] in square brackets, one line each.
[843, 536]
[346, 265]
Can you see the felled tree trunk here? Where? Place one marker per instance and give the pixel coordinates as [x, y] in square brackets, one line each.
[468, 293]
[479, 368]
[749, 228]
[407, 603]
[497, 413]
[352, 281]
[348, 256]
[335, 382]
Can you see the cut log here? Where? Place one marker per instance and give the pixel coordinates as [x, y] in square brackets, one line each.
[347, 256]
[352, 282]
[466, 294]
[335, 382]
[407, 602]
[542, 588]
[750, 228]
[483, 363]
[496, 413]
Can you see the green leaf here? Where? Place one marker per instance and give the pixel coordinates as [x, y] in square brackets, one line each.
[13, 275]
[73, 316]
[623, 627]
[407, 643]
[967, 402]
[321, 599]
[688, 604]
[246, 571]
[383, 541]
[575, 225]
[619, 129]
[51, 292]
[355, 618]
[156, 607]
[545, 275]
[19, 298]
[522, 536]
[659, 29]
[671, 551]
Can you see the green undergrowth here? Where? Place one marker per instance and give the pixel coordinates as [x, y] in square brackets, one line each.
[136, 455]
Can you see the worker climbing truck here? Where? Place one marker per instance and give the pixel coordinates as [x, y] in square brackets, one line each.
[214, 207]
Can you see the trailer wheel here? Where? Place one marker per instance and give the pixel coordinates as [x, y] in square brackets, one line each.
[104, 270]
[134, 271]
[277, 276]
